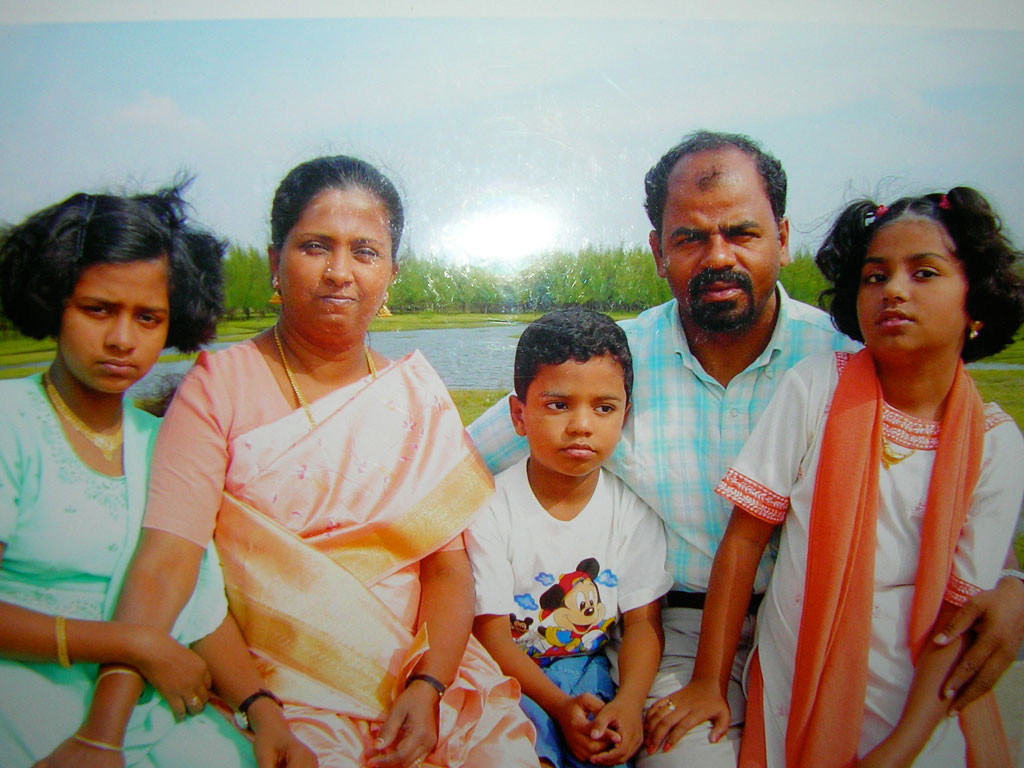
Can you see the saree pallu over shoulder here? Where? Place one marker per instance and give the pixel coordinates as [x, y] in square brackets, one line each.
[386, 477]
[313, 520]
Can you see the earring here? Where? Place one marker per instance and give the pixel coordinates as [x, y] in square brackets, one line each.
[275, 298]
[383, 310]
[974, 328]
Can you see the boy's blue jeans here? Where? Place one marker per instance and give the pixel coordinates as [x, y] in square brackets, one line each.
[574, 675]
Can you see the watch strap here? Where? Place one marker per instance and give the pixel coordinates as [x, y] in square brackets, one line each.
[430, 680]
[242, 715]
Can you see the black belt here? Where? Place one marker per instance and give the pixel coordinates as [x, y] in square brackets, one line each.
[679, 599]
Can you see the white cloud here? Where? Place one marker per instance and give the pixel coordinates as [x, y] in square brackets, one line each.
[151, 111]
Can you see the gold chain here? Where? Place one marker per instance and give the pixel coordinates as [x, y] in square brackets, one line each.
[369, 362]
[107, 444]
[295, 386]
[891, 456]
[291, 379]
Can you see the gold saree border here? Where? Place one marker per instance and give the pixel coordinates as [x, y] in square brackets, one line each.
[433, 522]
[299, 609]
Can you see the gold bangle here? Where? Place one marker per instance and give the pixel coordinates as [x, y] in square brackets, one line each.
[97, 744]
[62, 642]
[117, 671]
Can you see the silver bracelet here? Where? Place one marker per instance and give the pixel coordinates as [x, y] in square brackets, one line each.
[1010, 572]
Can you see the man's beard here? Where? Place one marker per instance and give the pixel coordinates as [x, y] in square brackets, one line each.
[721, 316]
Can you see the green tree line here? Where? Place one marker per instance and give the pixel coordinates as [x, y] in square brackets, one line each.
[621, 279]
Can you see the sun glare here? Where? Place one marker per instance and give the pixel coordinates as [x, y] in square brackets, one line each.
[501, 235]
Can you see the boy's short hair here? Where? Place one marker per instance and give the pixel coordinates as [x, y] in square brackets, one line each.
[570, 334]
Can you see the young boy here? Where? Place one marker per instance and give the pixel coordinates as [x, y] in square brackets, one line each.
[564, 552]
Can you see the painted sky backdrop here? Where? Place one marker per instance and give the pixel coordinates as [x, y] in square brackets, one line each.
[511, 135]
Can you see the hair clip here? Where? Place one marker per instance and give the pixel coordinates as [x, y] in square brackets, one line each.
[881, 210]
[944, 203]
[80, 240]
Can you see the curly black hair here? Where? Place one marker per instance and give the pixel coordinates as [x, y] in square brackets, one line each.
[570, 334]
[656, 181]
[307, 180]
[42, 259]
[995, 293]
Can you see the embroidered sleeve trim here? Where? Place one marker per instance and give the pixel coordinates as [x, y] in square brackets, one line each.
[994, 416]
[842, 358]
[959, 591]
[759, 501]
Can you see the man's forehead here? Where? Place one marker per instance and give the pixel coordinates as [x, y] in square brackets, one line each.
[709, 169]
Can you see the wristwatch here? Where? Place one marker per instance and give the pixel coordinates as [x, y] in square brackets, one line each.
[242, 715]
[430, 680]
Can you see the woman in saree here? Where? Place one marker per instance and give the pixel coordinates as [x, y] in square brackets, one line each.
[336, 484]
[114, 280]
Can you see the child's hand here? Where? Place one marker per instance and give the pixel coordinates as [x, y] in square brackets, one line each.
[669, 719]
[618, 721]
[573, 719]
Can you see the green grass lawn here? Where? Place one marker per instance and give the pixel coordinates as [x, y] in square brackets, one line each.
[472, 402]
[1005, 388]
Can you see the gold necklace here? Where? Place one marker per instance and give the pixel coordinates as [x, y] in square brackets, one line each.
[107, 444]
[891, 456]
[295, 386]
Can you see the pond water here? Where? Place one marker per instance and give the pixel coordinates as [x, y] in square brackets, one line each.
[466, 358]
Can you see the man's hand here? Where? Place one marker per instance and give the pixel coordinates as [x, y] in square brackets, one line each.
[997, 618]
[669, 719]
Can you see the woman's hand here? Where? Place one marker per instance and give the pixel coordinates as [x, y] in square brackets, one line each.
[177, 673]
[72, 753]
[274, 744]
[410, 731]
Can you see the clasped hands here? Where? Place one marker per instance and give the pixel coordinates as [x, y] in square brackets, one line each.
[598, 732]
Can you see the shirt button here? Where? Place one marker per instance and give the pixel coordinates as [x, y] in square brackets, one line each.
[734, 413]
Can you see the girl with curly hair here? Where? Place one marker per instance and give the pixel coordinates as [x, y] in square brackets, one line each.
[114, 280]
[897, 490]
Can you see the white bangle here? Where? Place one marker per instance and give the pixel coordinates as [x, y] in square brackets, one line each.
[1012, 573]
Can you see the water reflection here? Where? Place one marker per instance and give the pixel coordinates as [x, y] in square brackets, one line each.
[466, 358]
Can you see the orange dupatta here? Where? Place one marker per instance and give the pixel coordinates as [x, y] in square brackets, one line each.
[830, 679]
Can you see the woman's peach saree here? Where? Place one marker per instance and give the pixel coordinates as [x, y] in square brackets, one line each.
[321, 532]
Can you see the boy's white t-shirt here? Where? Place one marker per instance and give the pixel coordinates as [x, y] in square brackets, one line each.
[565, 583]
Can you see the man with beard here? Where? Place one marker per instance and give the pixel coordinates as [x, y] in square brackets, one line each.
[706, 364]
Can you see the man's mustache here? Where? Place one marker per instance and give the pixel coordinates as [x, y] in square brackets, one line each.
[709, 277]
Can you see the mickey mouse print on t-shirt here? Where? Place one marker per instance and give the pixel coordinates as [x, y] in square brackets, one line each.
[572, 618]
